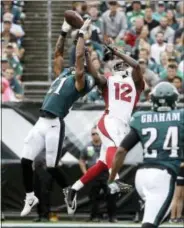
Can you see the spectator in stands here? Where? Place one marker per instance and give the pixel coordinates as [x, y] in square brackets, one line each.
[14, 84]
[15, 28]
[4, 65]
[172, 20]
[160, 11]
[180, 10]
[143, 41]
[95, 29]
[94, 14]
[80, 7]
[145, 54]
[137, 28]
[114, 23]
[150, 77]
[181, 66]
[8, 7]
[171, 52]
[158, 47]
[171, 73]
[177, 82]
[171, 70]
[136, 12]
[148, 19]
[6, 92]
[14, 61]
[7, 35]
[179, 46]
[163, 63]
[165, 28]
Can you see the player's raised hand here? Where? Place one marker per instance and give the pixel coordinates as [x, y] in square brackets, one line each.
[65, 26]
[85, 27]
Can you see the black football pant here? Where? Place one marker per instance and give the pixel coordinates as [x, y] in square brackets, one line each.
[99, 185]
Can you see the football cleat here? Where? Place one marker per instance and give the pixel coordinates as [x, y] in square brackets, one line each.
[70, 200]
[119, 187]
[124, 188]
[29, 204]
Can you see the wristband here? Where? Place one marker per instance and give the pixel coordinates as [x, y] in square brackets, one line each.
[63, 33]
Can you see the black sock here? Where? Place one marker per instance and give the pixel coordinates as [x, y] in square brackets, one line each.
[58, 176]
[27, 173]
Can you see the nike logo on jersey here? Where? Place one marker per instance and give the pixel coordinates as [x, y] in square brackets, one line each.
[53, 126]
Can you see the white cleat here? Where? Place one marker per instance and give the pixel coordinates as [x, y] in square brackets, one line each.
[29, 204]
[70, 200]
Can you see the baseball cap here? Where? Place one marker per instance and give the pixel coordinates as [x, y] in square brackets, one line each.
[136, 1]
[8, 17]
[161, 3]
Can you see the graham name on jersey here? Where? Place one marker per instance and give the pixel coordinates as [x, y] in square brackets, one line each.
[160, 117]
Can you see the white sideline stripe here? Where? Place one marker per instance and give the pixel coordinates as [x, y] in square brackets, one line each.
[79, 225]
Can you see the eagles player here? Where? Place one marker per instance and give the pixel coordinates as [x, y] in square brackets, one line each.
[161, 133]
[48, 132]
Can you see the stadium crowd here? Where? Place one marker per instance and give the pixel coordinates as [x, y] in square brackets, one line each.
[151, 32]
[12, 34]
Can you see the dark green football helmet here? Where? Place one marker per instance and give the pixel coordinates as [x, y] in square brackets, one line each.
[164, 97]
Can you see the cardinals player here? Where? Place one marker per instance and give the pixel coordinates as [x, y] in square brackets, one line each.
[121, 92]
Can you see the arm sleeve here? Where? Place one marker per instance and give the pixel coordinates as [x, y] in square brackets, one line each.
[130, 140]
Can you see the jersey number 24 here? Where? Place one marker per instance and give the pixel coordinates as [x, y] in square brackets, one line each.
[170, 142]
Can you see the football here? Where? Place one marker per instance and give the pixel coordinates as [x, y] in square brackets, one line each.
[74, 19]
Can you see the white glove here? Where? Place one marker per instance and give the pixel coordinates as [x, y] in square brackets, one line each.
[114, 188]
[65, 26]
[85, 27]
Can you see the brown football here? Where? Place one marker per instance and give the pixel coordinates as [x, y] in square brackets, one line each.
[74, 19]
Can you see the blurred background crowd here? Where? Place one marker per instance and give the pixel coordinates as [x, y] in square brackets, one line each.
[12, 51]
[151, 32]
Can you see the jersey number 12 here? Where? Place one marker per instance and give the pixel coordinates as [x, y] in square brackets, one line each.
[122, 92]
[170, 143]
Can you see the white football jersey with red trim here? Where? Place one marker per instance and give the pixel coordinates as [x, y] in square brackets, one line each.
[120, 96]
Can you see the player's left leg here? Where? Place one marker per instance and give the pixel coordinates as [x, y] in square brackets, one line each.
[159, 191]
[53, 143]
[33, 145]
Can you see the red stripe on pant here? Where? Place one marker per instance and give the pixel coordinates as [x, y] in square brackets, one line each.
[93, 172]
[101, 127]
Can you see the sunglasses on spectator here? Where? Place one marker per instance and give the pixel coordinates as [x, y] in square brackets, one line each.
[95, 133]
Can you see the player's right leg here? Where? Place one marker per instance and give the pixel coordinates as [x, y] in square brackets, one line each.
[156, 188]
[33, 145]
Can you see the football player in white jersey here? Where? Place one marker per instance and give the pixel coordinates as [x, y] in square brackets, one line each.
[121, 92]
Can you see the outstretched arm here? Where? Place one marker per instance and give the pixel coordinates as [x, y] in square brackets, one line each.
[59, 49]
[136, 73]
[100, 80]
[79, 64]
